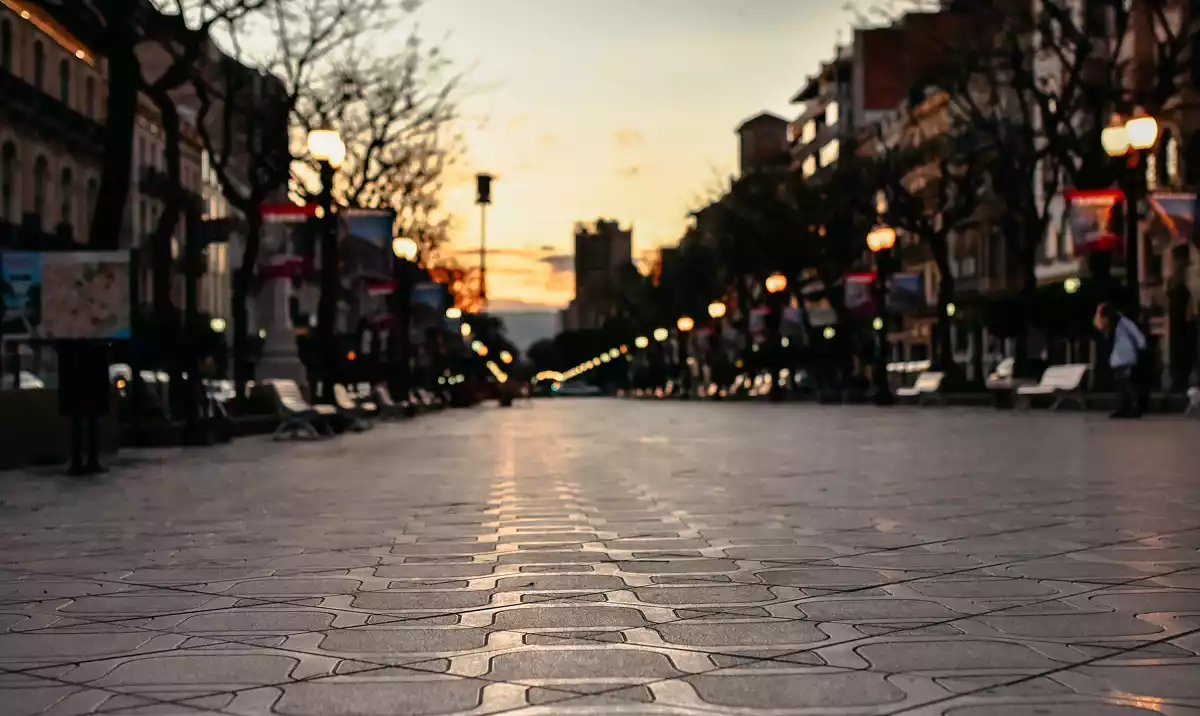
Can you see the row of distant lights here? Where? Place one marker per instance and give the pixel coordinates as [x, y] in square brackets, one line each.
[481, 349]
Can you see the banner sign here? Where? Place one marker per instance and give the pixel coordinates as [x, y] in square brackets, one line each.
[68, 295]
[859, 297]
[286, 213]
[1177, 214]
[906, 292]
[1093, 219]
[375, 226]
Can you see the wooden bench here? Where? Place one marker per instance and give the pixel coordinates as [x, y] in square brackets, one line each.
[925, 389]
[297, 417]
[354, 415]
[1063, 382]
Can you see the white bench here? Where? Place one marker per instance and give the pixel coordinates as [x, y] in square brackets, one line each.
[297, 417]
[354, 414]
[926, 388]
[1002, 378]
[1063, 382]
[1193, 395]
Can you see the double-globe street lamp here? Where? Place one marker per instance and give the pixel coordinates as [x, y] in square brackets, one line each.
[880, 240]
[327, 148]
[1131, 139]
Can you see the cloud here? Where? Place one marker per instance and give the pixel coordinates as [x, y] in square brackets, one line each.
[630, 171]
[518, 122]
[559, 263]
[549, 139]
[547, 248]
[629, 138]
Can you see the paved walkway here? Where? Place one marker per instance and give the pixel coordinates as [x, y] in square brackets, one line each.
[605, 557]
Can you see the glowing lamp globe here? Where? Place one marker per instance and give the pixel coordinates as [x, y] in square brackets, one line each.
[642, 342]
[325, 145]
[881, 239]
[453, 313]
[685, 324]
[716, 309]
[1115, 140]
[1142, 132]
[661, 334]
[776, 282]
[405, 248]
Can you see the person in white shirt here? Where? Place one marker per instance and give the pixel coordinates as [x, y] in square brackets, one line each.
[1128, 342]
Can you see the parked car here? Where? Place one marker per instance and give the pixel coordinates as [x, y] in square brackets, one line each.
[570, 389]
[25, 381]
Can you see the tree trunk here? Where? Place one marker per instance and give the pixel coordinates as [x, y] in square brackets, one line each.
[168, 222]
[124, 79]
[943, 356]
[243, 278]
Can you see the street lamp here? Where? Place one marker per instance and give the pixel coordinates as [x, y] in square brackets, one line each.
[685, 324]
[880, 240]
[776, 283]
[661, 334]
[641, 342]
[1130, 139]
[453, 313]
[716, 310]
[404, 251]
[506, 357]
[327, 148]
[465, 329]
[217, 325]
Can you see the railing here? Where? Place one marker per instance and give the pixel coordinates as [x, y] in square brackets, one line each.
[37, 106]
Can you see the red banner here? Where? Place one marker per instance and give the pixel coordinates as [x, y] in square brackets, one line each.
[286, 213]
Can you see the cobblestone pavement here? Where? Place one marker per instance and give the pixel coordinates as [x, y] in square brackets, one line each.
[605, 557]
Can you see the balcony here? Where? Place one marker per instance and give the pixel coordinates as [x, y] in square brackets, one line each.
[29, 236]
[44, 114]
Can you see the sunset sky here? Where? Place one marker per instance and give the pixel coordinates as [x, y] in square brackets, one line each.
[621, 109]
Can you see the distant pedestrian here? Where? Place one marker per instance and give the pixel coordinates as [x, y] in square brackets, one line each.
[1128, 345]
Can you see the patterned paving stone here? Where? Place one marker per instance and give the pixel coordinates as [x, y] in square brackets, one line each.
[608, 557]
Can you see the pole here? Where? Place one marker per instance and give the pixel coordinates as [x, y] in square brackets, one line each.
[775, 344]
[1133, 200]
[483, 255]
[685, 378]
[400, 384]
[327, 307]
[192, 385]
[883, 268]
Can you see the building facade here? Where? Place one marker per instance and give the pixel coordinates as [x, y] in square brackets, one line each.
[603, 250]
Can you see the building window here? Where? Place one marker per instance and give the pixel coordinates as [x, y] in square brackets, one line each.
[89, 97]
[829, 152]
[6, 48]
[93, 191]
[39, 66]
[8, 182]
[41, 188]
[64, 82]
[1169, 166]
[810, 131]
[809, 167]
[831, 114]
[67, 188]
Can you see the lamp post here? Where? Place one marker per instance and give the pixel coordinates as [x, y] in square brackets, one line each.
[775, 284]
[685, 325]
[327, 148]
[716, 363]
[881, 240]
[1131, 139]
[404, 257]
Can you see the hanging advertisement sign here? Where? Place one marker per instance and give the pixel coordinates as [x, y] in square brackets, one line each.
[859, 297]
[375, 226]
[1176, 213]
[1093, 219]
[67, 295]
[906, 292]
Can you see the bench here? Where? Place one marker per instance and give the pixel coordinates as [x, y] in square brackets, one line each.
[388, 407]
[925, 389]
[1063, 382]
[297, 417]
[1193, 395]
[1002, 378]
[354, 414]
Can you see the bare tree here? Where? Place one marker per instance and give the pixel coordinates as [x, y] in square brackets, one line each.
[1036, 96]
[395, 114]
[930, 177]
[248, 105]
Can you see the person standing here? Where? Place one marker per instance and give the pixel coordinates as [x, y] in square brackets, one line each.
[1128, 344]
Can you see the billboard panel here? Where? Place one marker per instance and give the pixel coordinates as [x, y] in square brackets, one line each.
[69, 295]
